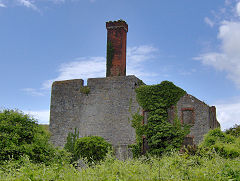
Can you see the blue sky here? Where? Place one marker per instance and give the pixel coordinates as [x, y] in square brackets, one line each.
[195, 44]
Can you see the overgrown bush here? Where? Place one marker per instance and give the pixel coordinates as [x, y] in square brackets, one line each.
[70, 144]
[224, 144]
[94, 148]
[21, 135]
[234, 131]
[190, 150]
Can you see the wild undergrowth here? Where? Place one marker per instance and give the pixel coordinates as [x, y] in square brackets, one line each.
[171, 166]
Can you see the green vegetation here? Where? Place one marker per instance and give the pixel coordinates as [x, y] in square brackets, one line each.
[224, 144]
[45, 127]
[234, 131]
[91, 148]
[94, 148]
[172, 166]
[162, 136]
[26, 155]
[21, 135]
[110, 54]
[71, 141]
[85, 90]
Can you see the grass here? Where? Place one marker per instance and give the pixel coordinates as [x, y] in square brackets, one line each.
[169, 167]
[45, 127]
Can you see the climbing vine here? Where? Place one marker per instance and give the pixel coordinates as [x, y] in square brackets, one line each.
[110, 54]
[161, 135]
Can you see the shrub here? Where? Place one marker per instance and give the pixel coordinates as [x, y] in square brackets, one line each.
[234, 131]
[190, 150]
[85, 90]
[224, 144]
[21, 135]
[71, 141]
[94, 148]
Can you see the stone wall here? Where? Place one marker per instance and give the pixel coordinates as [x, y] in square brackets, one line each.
[104, 112]
[199, 115]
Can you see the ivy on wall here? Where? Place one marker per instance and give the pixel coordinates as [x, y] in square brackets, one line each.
[161, 135]
[110, 54]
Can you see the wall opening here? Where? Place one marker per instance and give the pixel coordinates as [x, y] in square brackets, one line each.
[145, 117]
[188, 140]
[188, 116]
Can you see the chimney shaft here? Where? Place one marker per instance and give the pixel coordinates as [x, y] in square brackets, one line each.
[116, 48]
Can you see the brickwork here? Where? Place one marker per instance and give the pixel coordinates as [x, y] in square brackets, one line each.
[117, 35]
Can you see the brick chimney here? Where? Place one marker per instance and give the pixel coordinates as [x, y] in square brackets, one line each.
[116, 48]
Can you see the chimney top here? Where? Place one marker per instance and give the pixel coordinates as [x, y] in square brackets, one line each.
[117, 24]
[116, 48]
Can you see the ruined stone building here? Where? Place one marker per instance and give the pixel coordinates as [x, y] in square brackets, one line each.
[103, 107]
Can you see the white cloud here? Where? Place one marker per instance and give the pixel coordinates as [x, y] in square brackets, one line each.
[81, 68]
[2, 5]
[227, 59]
[33, 92]
[140, 53]
[208, 21]
[238, 8]
[228, 114]
[91, 67]
[34, 4]
[28, 4]
[41, 115]
[135, 58]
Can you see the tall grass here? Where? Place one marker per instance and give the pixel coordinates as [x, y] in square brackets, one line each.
[173, 166]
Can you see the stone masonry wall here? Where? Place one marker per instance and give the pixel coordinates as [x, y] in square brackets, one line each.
[105, 111]
[197, 114]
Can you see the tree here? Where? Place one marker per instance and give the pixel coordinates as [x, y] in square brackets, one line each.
[21, 135]
[224, 144]
[234, 131]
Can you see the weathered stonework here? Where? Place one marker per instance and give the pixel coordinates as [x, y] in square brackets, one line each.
[104, 111]
[196, 113]
[105, 107]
